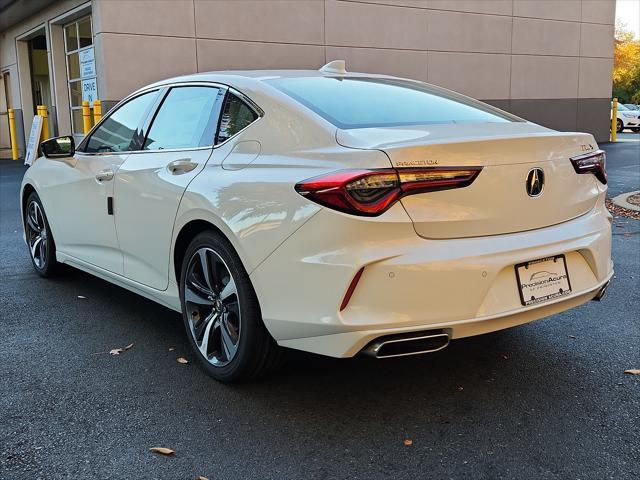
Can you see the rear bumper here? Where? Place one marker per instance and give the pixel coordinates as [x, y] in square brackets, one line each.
[348, 344]
[465, 286]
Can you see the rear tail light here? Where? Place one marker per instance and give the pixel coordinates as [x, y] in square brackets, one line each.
[592, 162]
[372, 192]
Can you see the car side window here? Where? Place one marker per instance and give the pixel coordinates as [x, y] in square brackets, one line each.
[187, 118]
[236, 115]
[119, 132]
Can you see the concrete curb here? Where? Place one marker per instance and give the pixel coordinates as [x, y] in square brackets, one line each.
[621, 201]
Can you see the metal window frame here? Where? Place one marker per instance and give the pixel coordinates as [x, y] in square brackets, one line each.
[67, 54]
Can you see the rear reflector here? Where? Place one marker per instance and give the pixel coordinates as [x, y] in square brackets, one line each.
[372, 192]
[351, 289]
[592, 162]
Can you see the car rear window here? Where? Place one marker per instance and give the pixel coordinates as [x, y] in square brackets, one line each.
[360, 102]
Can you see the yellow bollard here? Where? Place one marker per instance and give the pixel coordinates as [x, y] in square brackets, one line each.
[13, 135]
[86, 117]
[39, 113]
[97, 111]
[614, 120]
[44, 113]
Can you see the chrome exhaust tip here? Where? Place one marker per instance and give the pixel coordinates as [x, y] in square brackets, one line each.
[404, 344]
[600, 295]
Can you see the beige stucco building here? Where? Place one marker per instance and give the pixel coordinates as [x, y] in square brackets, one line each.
[547, 61]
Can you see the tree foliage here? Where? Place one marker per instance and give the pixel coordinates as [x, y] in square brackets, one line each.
[626, 66]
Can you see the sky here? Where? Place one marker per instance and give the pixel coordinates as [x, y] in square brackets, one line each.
[628, 11]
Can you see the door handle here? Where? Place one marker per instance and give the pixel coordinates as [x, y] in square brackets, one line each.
[104, 175]
[184, 165]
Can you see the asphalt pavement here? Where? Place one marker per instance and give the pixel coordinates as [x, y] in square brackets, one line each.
[548, 400]
[623, 158]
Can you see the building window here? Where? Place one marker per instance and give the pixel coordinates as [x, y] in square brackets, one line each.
[81, 68]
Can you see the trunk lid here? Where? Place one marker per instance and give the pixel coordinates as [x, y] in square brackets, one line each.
[497, 202]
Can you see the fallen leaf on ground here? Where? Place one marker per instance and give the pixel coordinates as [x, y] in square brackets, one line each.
[118, 351]
[182, 360]
[633, 371]
[162, 450]
[408, 442]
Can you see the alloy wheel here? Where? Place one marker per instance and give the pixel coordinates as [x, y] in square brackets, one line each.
[212, 306]
[36, 234]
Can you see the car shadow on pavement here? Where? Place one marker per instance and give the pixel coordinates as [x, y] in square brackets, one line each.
[482, 366]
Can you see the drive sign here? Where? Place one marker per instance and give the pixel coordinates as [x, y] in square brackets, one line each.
[89, 90]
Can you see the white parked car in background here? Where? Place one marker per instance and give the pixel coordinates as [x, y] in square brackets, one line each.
[627, 118]
[324, 211]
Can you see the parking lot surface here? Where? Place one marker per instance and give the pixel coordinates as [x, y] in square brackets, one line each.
[546, 400]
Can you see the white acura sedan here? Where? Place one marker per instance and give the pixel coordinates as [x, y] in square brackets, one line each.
[627, 118]
[324, 211]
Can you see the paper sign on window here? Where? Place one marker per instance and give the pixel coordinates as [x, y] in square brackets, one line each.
[87, 63]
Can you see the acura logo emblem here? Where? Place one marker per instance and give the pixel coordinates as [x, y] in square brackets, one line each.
[535, 182]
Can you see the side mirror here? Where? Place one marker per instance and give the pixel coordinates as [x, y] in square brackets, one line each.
[58, 147]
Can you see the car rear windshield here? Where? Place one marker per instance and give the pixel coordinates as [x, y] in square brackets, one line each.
[361, 102]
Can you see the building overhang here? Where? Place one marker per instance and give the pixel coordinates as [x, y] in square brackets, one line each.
[14, 11]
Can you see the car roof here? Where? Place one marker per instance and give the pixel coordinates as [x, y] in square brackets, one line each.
[255, 77]
[268, 74]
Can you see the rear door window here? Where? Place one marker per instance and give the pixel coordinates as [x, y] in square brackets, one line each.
[187, 118]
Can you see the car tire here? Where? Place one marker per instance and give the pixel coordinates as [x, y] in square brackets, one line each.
[42, 247]
[221, 312]
[619, 126]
